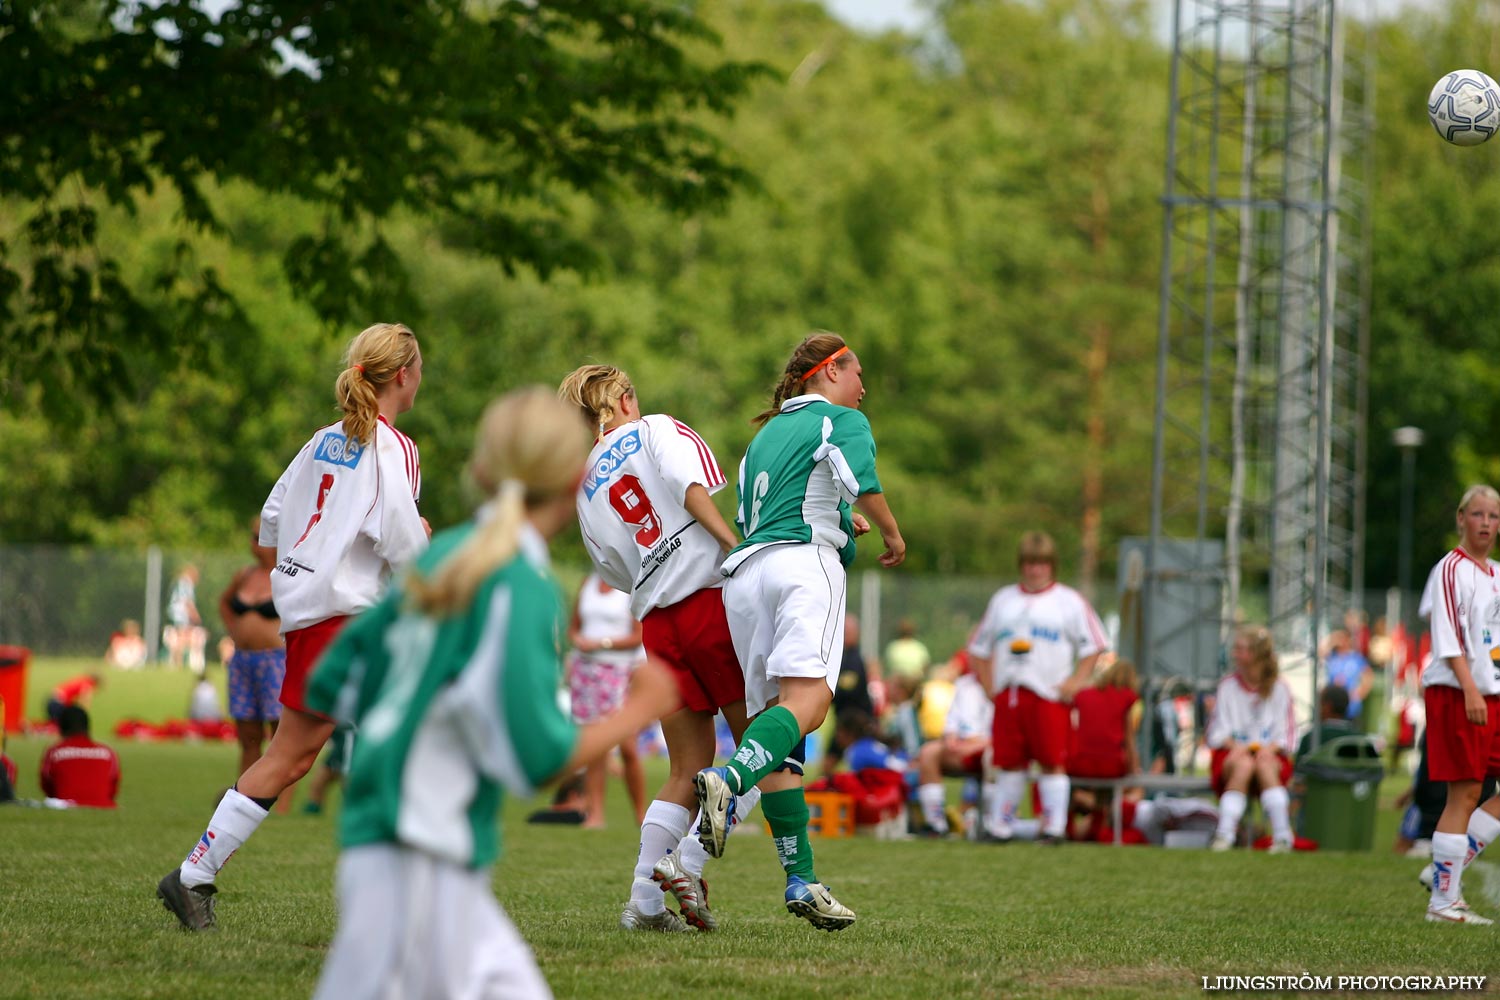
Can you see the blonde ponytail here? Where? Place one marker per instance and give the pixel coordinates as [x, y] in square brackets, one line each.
[596, 390]
[372, 359]
[529, 448]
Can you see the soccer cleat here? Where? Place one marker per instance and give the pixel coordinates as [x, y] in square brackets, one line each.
[1425, 876]
[717, 803]
[1221, 843]
[1456, 914]
[690, 892]
[632, 919]
[814, 903]
[193, 906]
[1280, 847]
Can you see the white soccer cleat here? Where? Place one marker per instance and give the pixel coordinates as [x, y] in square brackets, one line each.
[1221, 843]
[717, 804]
[814, 903]
[1280, 847]
[632, 919]
[1425, 876]
[1457, 914]
[690, 892]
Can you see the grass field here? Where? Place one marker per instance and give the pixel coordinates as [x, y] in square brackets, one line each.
[78, 917]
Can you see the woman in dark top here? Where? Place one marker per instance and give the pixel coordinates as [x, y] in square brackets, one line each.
[259, 661]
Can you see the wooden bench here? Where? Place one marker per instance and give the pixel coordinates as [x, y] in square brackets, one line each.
[1177, 784]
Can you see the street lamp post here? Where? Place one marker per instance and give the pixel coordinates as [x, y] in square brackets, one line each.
[1408, 440]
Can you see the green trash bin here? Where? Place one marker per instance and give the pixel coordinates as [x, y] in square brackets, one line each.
[1343, 784]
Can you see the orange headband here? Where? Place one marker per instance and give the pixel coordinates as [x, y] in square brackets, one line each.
[814, 369]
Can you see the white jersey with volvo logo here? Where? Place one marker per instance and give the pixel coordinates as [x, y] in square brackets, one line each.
[1036, 639]
[1241, 715]
[1465, 621]
[342, 516]
[641, 538]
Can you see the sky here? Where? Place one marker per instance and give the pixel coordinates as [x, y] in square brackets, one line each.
[909, 15]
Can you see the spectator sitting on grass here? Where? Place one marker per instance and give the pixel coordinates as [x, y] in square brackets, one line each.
[78, 770]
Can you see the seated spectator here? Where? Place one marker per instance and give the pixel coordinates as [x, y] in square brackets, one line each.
[959, 751]
[1106, 718]
[127, 649]
[901, 721]
[203, 706]
[1249, 734]
[7, 778]
[78, 770]
[906, 655]
[1333, 719]
[77, 691]
[877, 774]
[1346, 667]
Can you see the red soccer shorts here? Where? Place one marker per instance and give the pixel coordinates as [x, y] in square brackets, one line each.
[1029, 727]
[1216, 772]
[1457, 749]
[303, 647]
[692, 638]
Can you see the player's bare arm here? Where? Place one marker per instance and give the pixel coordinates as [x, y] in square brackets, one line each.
[873, 506]
[1080, 679]
[698, 503]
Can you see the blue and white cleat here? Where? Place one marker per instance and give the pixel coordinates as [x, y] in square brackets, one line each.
[717, 803]
[814, 903]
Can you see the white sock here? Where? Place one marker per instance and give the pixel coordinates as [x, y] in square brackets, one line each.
[1277, 804]
[1448, 850]
[933, 802]
[665, 824]
[1005, 795]
[233, 822]
[1054, 790]
[1483, 829]
[1231, 808]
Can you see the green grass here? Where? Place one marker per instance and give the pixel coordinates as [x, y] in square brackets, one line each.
[78, 917]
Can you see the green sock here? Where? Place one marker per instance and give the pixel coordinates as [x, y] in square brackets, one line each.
[766, 742]
[786, 812]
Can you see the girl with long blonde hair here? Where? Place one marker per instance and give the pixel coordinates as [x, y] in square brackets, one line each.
[452, 681]
[1250, 736]
[342, 519]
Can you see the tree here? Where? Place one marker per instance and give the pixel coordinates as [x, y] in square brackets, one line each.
[487, 117]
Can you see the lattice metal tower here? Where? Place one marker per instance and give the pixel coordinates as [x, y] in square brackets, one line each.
[1256, 479]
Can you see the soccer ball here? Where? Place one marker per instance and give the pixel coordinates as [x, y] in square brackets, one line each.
[1465, 107]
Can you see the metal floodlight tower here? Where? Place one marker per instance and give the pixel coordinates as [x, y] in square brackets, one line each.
[1257, 474]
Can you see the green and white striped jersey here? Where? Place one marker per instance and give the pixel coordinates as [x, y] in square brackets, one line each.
[451, 712]
[799, 476]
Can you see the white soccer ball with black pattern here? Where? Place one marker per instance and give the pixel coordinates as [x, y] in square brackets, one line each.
[1465, 107]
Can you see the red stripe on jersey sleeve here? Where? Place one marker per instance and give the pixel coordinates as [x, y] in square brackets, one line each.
[1450, 601]
[713, 476]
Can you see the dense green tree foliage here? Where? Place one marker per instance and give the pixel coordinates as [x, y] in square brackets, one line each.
[978, 215]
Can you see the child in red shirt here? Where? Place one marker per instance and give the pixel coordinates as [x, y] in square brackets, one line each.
[76, 768]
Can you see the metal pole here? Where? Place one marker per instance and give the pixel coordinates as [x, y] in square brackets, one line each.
[1403, 561]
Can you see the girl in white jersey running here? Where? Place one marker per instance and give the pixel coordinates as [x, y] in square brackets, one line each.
[1461, 689]
[646, 510]
[452, 679]
[813, 458]
[342, 517]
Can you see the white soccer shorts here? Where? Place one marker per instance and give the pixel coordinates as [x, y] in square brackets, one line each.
[785, 606]
[411, 925]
